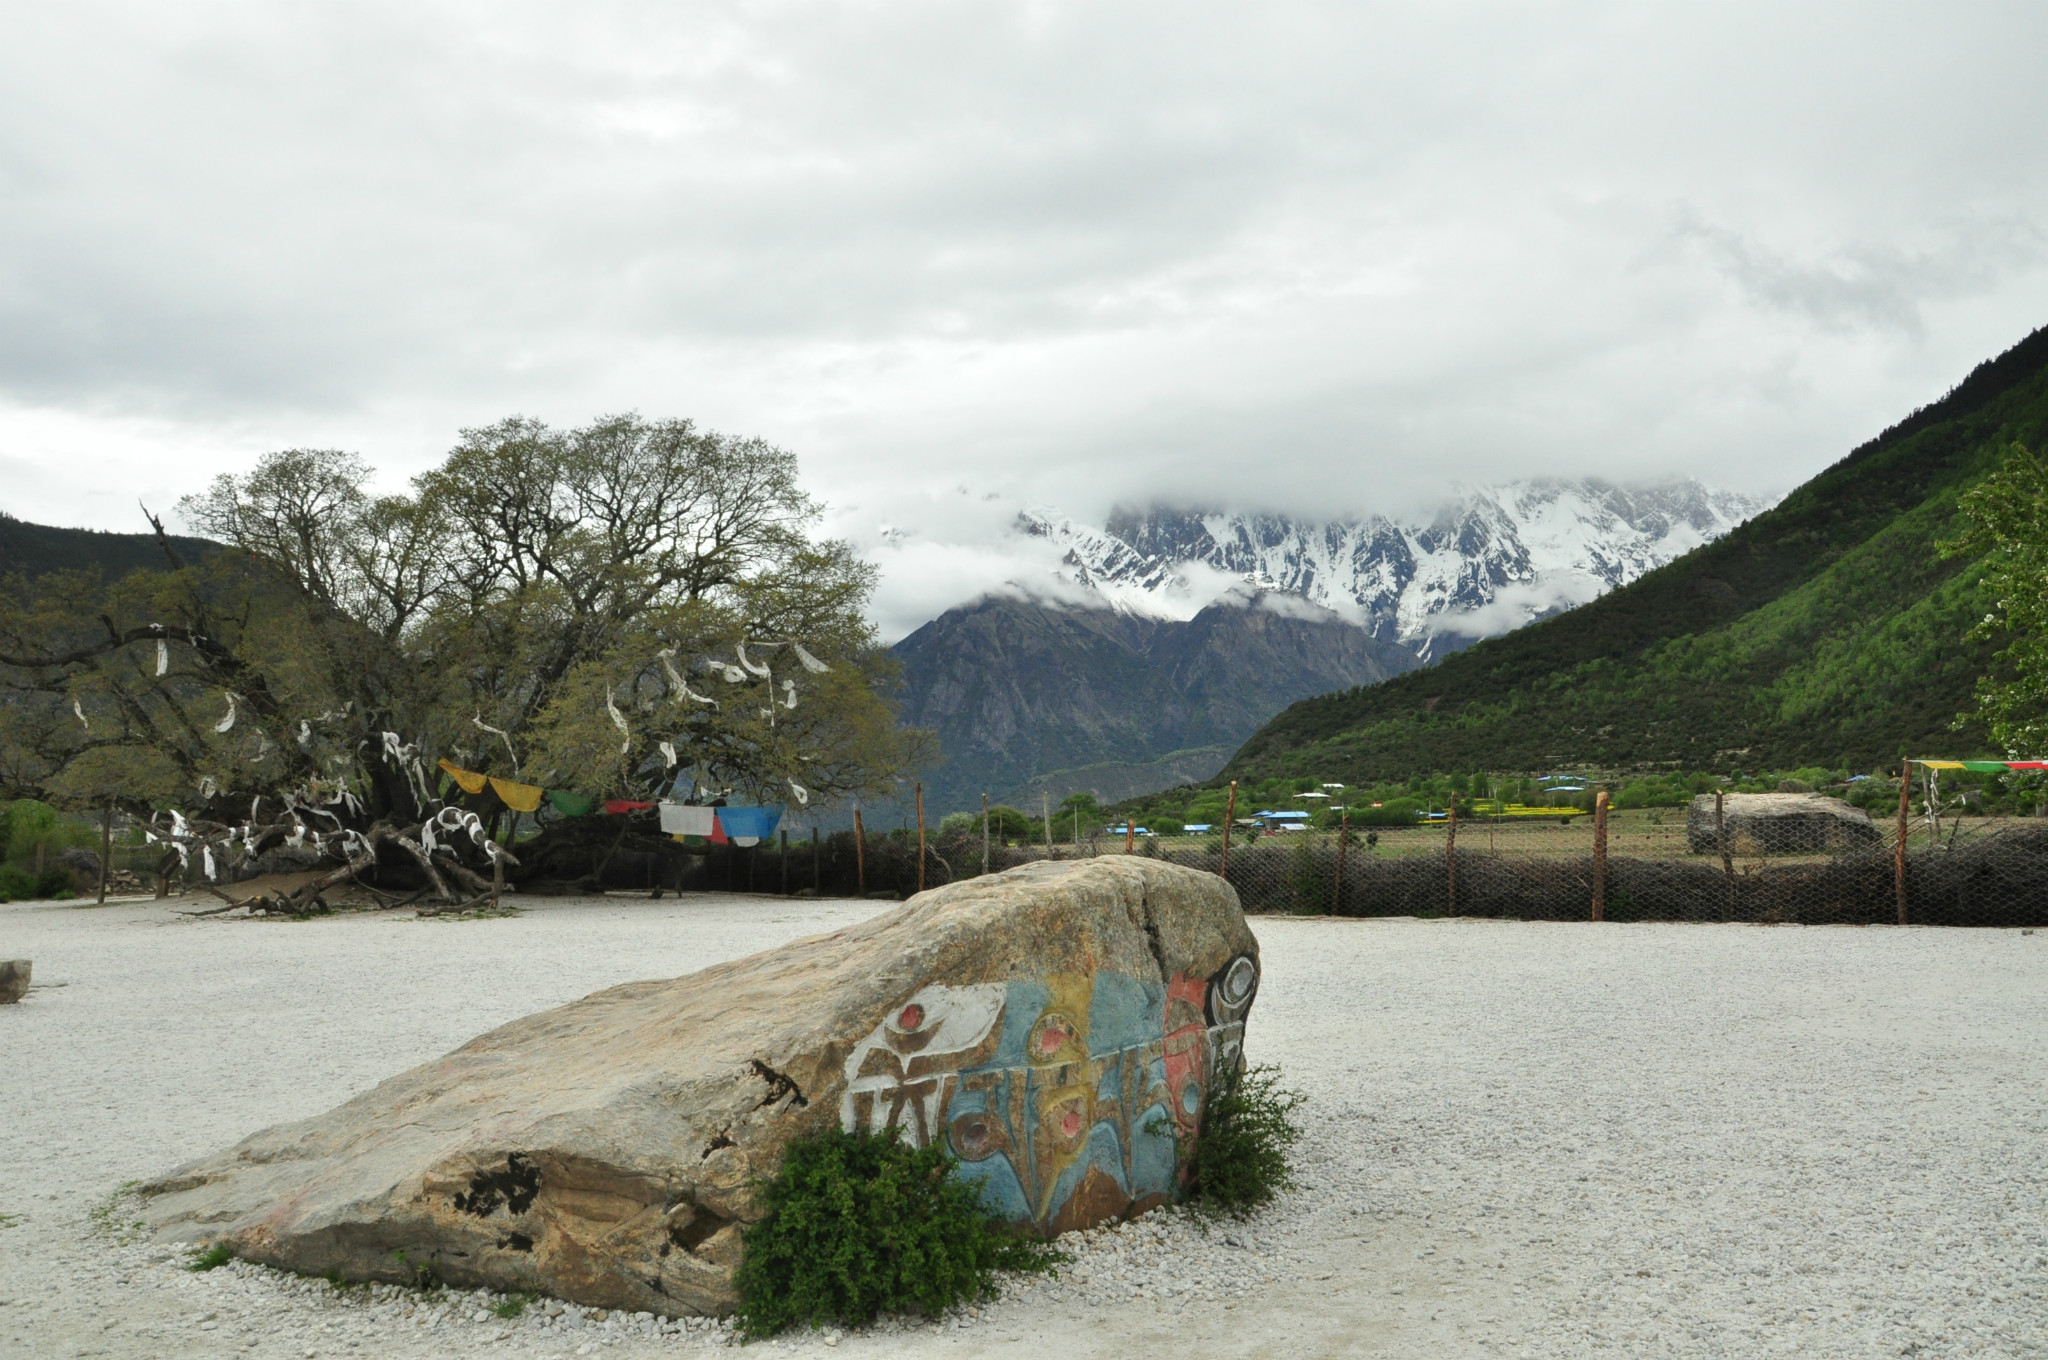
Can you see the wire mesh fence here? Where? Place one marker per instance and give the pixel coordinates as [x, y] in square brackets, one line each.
[1627, 866]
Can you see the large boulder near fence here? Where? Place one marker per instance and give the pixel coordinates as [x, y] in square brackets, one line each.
[80, 861]
[1055, 1026]
[1778, 824]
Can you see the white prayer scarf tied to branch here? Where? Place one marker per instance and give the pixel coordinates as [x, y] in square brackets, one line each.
[618, 721]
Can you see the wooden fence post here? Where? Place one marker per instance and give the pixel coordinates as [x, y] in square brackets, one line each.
[1721, 843]
[498, 878]
[817, 864]
[106, 849]
[1600, 855]
[1130, 834]
[1451, 859]
[860, 856]
[785, 861]
[1229, 816]
[1337, 889]
[1045, 809]
[920, 837]
[1899, 849]
[984, 833]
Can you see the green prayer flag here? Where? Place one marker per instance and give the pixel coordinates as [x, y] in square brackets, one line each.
[572, 804]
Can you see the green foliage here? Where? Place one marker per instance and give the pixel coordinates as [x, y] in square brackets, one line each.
[538, 604]
[513, 1306]
[1008, 823]
[1242, 1156]
[2005, 522]
[1005, 824]
[212, 1258]
[24, 885]
[858, 1225]
[1391, 812]
[1165, 826]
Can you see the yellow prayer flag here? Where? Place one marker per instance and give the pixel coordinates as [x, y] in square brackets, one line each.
[518, 797]
[468, 780]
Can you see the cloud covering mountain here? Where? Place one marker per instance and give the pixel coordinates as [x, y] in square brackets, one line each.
[1488, 561]
[1283, 257]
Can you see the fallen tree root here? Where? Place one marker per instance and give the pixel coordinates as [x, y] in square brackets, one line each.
[456, 908]
[211, 911]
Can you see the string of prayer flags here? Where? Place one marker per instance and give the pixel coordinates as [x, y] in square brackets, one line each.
[682, 819]
[571, 804]
[1983, 766]
[749, 825]
[518, 797]
[469, 781]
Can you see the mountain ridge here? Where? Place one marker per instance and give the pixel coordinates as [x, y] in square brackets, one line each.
[1024, 689]
[1825, 629]
[1487, 561]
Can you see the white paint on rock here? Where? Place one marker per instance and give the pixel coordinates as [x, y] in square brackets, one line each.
[1542, 1140]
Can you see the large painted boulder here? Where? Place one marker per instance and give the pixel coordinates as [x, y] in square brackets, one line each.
[1054, 1025]
[1778, 824]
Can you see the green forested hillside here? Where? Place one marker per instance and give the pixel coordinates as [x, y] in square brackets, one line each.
[39, 549]
[1827, 630]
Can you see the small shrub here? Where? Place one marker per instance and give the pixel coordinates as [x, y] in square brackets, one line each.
[1240, 1158]
[424, 1276]
[213, 1258]
[513, 1306]
[1393, 812]
[859, 1225]
[18, 884]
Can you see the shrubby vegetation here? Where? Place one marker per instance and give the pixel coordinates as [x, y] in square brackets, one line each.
[557, 607]
[1242, 1157]
[1006, 825]
[31, 835]
[2005, 527]
[859, 1225]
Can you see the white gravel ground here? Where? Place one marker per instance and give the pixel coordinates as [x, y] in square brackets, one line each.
[1523, 1139]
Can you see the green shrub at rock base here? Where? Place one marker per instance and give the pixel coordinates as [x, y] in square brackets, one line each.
[1240, 1158]
[213, 1258]
[859, 1225]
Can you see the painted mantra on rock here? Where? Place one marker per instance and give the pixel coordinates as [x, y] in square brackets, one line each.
[1062, 1097]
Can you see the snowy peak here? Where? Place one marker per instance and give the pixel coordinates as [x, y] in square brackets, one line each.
[1490, 561]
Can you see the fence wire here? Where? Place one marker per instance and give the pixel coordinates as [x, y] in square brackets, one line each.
[1976, 871]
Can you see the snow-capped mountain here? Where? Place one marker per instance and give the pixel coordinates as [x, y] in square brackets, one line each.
[1492, 560]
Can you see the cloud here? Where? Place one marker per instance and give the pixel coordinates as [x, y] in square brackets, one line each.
[1517, 602]
[1316, 258]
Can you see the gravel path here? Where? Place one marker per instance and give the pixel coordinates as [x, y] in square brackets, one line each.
[1523, 1139]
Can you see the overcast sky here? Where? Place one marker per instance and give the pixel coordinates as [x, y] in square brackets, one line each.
[1312, 257]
